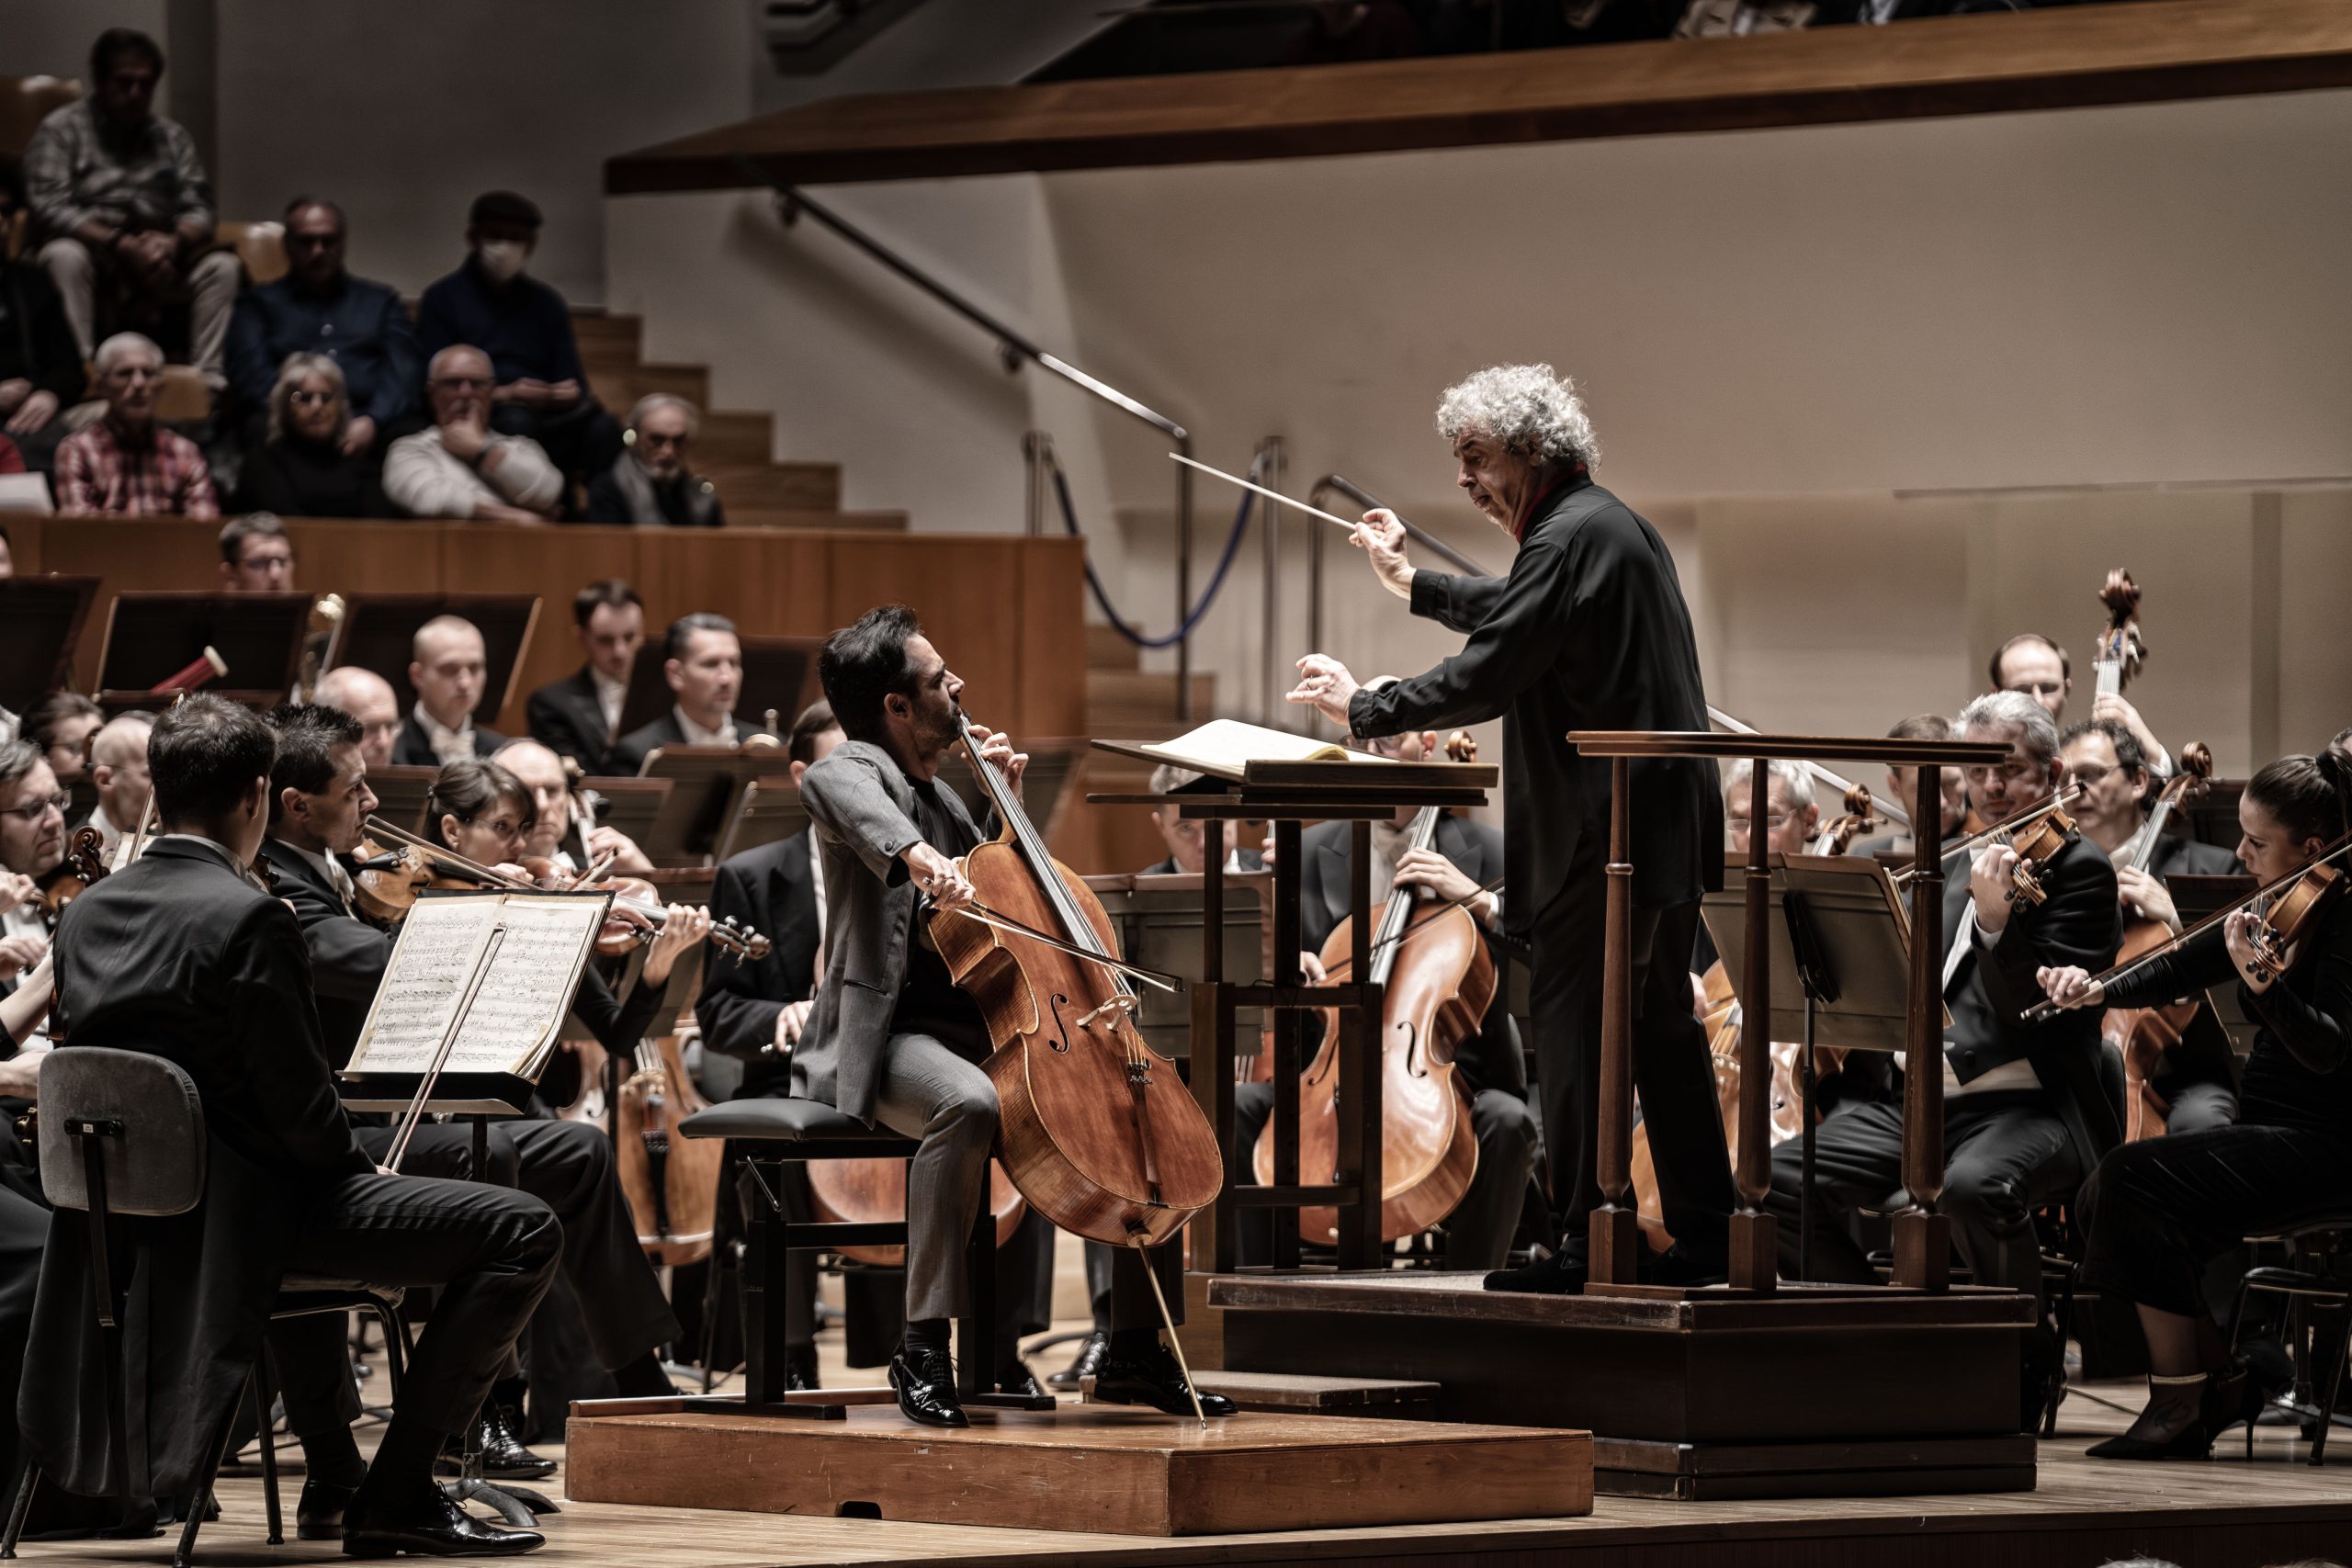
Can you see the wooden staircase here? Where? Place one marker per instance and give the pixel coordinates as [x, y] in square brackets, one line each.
[734, 449]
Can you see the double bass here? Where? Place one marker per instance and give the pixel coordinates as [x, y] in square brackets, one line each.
[1438, 978]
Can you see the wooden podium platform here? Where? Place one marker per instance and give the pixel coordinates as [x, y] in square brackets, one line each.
[1693, 1395]
[1091, 1468]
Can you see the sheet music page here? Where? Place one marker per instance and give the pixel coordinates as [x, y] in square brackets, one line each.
[1224, 747]
[527, 987]
[422, 983]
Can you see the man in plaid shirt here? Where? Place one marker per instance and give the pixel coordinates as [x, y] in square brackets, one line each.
[126, 464]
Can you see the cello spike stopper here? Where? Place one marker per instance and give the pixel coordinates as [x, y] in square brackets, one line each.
[1168, 1322]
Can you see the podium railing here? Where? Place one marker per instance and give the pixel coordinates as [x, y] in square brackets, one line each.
[1922, 1237]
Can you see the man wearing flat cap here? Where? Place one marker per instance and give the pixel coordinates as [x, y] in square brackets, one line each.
[525, 326]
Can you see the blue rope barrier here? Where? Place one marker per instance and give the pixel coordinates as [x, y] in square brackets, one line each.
[1111, 612]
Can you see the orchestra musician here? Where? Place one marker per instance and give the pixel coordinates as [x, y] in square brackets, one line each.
[320, 801]
[368, 697]
[2032, 664]
[541, 772]
[447, 667]
[118, 773]
[32, 845]
[2156, 1212]
[1589, 631]
[182, 954]
[2027, 1112]
[579, 715]
[891, 1038]
[1466, 858]
[702, 659]
[2199, 1083]
[1902, 787]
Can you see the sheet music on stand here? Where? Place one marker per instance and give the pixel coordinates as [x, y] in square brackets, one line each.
[477, 986]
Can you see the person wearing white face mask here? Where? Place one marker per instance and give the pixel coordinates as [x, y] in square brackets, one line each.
[541, 389]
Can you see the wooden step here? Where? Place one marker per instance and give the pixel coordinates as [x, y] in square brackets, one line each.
[735, 436]
[777, 487]
[598, 330]
[1125, 703]
[829, 522]
[1301, 1394]
[622, 388]
[1107, 649]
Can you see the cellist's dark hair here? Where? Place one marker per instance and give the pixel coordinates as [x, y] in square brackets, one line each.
[307, 734]
[467, 789]
[205, 754]
[864, 663]
[2310, 797]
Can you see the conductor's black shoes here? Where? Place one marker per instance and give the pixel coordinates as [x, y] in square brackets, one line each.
[926, 1389]
[1155, 1379]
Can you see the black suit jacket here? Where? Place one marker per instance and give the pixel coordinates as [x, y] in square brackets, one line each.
[1491, 1058]
[1589, 631]
[565, 717]
[411, 749]
[2081, 922]
[1251, 861]
[629, 753]
[2189, 857]
[771, 890]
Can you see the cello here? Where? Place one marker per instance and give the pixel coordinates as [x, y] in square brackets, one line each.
[1438, 978]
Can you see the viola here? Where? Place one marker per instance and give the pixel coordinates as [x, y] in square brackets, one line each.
[2145, 1036]
[1438, 978]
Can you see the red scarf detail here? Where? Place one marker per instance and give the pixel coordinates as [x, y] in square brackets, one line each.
[1535, 507]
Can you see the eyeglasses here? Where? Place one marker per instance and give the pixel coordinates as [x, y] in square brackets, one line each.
[1772, 824]
[2036, 688]
[2007, 773]
[311, 400]
[503, 827]
[33, 811]
[2091, 776]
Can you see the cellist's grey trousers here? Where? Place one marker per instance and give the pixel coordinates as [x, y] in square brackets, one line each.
[929, 1091]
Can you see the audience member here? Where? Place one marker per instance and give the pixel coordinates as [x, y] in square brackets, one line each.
[126, 463]
[307, 466]
[118, 770]
[122, 208]
[447, 667]
[368, 697]
[579, 715]
[256, 555]
[41, 369]
[526, 328]
[649, 484]
[459, 468]
[317, 309]
[703, 661]
[61, 724]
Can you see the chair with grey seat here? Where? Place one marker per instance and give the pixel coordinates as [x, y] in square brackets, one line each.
[122, 1136]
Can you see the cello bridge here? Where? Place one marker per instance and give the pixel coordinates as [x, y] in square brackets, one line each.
[1121, 1002]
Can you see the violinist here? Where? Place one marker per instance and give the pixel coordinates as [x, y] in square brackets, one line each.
[1467, 856]
[320, 799]
[702, 659]
[447, 666]
[2155, 1213]
[1902, 788]
[119, 771]
[541, 772]
[2026, 1113]
[1589, 631]
[32, 846]
[2199, 1081]
[892, 1039]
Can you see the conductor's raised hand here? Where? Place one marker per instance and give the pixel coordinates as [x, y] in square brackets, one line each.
[997, 747]
[1381, 536]
[940, 879]
[1325, 686]
[2071, 986]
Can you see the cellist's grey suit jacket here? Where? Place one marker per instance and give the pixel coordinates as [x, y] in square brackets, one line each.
[863, 806]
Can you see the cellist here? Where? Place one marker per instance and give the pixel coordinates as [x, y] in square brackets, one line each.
[892, 1040]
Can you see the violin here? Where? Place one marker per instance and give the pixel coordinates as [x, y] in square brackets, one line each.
[2147, 1035]
[2035, 845]
[85, 862]
[1438, 978]
[2017, 832]
[1858, 819]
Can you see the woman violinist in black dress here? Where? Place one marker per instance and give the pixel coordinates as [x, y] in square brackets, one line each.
[2155, 1213]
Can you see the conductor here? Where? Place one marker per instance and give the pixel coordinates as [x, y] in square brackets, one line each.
[1587, 631]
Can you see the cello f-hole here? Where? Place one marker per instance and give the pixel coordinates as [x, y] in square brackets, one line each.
[1060, 1041]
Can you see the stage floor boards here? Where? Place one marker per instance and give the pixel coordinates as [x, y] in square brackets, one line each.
[2225, 1513]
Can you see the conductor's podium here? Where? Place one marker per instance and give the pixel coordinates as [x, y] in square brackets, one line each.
[1036, 1464]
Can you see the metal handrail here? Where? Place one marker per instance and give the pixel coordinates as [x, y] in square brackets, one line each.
[1014, 349]
[1368, 501]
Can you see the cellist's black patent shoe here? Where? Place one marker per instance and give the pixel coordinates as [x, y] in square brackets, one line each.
[926, 1389]
[1157, 1381]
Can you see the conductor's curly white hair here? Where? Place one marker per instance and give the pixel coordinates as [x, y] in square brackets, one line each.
[1530, 409]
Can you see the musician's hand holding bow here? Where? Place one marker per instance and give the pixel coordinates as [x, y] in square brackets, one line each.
[2237, 934]
[1325, 686]
[18, 954]
[1381, 536]
[791, 1021]
[1992, 876]
[941, 879]
[15, 889]
[997, 747]
[2071, 986]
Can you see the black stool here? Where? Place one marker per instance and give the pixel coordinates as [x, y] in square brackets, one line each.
[2319, 1270]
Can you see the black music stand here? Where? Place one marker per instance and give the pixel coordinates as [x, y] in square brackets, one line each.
[769, 811]
[2195, 898]
[40, 625]
[1054, 769]
[779, 673]
[627, 806]
[152, 636]
[378, 633]
[400, 789]
[1161, 921]
[707, 785]
[2210, 817]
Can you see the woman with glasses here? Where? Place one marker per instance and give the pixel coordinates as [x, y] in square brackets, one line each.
[302, 471]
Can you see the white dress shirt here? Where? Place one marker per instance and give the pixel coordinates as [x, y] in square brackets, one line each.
[610, 696]
[698, 736]
[449, 745]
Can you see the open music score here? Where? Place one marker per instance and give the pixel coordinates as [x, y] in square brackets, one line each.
[488, 979]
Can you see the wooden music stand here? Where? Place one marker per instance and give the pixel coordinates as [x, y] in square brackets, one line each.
[41, 625]
[779, 673]
[1922, 1237]
[150, 637]
[378, 633]
[708, 784]
[1290, 794]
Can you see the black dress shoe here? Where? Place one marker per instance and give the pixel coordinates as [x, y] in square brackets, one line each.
[318, 1515]
[428, 1525]
[1017, 1378]
[1562, 1274]
[1091, 1357]
[502, 1455]
[2191, 1441]
[1157, 1381]
[926, 1391]
[1677, 1266]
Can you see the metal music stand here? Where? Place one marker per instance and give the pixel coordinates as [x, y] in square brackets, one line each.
[401, 790]
[769, 812]
[1055, 767]
[40, 625]
[150, 637]
[708, 785]
[378, 633]
[628, 805]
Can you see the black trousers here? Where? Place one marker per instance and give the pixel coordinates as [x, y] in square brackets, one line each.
[1672, 1071]
[2155, 1213]
[490, 1253]
[2198, 1107]
[24, 1236]
[1478, 1232]
[2007, 1152]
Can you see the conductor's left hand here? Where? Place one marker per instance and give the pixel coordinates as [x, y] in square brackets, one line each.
[1325, 686]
